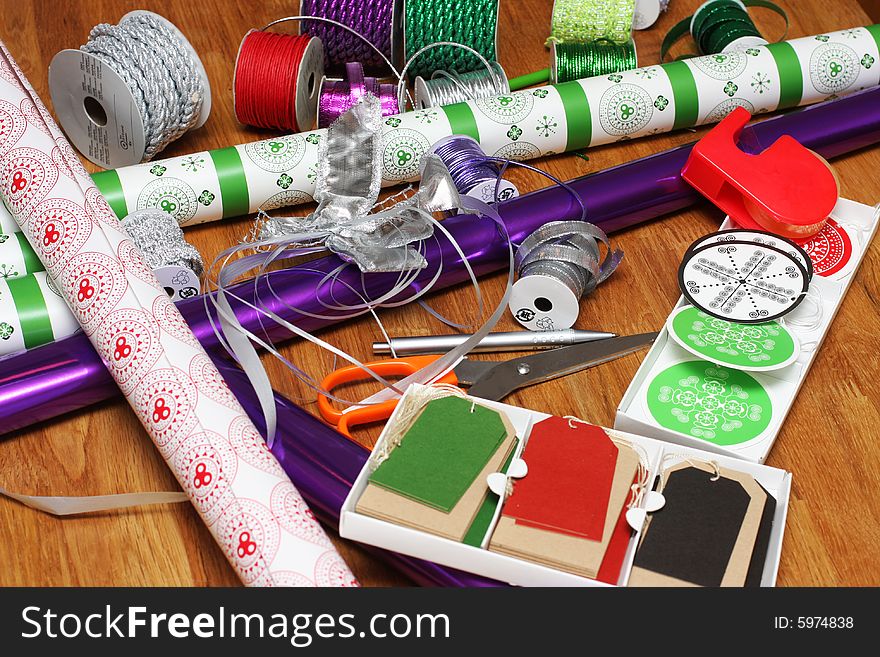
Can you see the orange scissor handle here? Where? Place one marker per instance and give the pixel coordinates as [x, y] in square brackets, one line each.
[372, 412]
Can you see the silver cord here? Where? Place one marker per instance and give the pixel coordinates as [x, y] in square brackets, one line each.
[449, 88]
[159, 237]
[160, 72]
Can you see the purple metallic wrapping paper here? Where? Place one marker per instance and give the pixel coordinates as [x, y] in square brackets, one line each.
[58, 378]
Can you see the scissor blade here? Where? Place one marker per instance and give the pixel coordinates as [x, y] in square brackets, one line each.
[504, 378]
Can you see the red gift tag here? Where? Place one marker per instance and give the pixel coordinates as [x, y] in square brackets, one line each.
[571, 470]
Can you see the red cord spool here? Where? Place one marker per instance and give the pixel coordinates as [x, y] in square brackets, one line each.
[276, 80]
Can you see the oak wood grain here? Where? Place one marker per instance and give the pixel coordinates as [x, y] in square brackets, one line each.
[829, 441]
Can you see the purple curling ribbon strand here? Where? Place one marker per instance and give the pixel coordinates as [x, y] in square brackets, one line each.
[370, 18]
[33, 389]
[339, 96]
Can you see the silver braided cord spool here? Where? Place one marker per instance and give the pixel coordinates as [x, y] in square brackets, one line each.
[160, 71]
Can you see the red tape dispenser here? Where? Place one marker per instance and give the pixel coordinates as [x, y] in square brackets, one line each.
[787, 189]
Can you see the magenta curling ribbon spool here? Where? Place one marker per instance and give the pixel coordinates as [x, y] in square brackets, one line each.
[339, 96]
[375, 20]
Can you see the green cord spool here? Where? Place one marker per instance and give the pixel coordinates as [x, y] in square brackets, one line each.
[472, 23]
[721, 26]
[575, 61]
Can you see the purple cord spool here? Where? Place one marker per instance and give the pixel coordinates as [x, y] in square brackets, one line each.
[339, 96]
[376, 20]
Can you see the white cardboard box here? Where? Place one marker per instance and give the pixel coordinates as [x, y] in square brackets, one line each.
[860, 222]
[412, 542]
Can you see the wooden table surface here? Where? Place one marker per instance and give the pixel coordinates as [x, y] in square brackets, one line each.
[829, 440]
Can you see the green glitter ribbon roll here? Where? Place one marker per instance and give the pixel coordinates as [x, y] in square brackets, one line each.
[721, 26]
[473, 23]
[523, 125]
[575, 61]
[588, 21]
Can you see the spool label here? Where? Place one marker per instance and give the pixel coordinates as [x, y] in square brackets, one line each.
[97, 110]
[179, 282]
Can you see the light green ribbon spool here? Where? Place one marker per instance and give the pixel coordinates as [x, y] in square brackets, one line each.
[585, 21]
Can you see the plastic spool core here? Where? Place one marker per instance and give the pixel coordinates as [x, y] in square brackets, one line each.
[646, 14]
[95, 111]
[542, 303]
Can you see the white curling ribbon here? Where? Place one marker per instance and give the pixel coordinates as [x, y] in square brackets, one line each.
[76, 505]
[254, 512]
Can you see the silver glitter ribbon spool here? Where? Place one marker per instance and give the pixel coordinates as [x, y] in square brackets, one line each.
[558, 265]
[177, 264]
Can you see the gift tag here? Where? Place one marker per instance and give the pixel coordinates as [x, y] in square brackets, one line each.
[755, 347]
[716, 404]
[742, 282]
[758, 237]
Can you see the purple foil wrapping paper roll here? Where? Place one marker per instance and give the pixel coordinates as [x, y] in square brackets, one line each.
[59, 378]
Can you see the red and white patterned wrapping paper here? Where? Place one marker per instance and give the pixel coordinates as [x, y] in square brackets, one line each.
[247, 501]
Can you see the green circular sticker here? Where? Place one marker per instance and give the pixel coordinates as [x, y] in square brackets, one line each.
[757, 347]
[716, 404]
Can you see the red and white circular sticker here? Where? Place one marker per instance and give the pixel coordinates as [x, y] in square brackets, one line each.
[831, 250]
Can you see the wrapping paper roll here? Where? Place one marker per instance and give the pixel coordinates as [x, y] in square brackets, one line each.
[244, 496]
[32, 313]
[7, 223]
[17, 257]
[522, 125]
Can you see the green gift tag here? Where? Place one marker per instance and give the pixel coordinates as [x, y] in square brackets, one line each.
[443, 452]
[716, 404]
[756, 347]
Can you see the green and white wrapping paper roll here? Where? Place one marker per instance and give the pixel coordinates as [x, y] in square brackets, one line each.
[522, 125]
[17, 256]
[7, 223]
[32, 313]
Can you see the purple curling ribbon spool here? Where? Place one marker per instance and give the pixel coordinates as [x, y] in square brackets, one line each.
[339, 96]
[378, 21]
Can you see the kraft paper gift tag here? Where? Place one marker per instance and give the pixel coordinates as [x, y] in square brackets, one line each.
[707, 531]
[571, 470]
[564, 551]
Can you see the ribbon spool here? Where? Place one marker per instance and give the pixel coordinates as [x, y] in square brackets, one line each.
[474, 173]
[575, 61]
[130, 91]
[586, 21]
[176, 263]
[558, 264]
[449, 88]
[473, 23]
[721, 26]
[647, 12]
[378, 21]
[338, 96]
[276, 80]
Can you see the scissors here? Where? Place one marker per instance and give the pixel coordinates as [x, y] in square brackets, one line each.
[490, 380]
